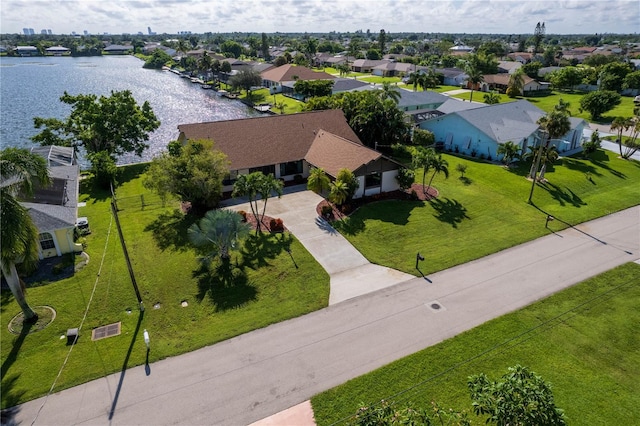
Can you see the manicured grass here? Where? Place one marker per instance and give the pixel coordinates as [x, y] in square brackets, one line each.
[488, 211]
[583, 341]
[547, 103]
[263, 287]
[291, 106]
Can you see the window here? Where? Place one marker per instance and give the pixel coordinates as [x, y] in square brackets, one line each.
[46, 241]
[230, 178]
[373, 180]
[291, 168]
[267, 170]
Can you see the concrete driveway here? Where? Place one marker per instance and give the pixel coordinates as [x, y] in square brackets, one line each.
[351, 273]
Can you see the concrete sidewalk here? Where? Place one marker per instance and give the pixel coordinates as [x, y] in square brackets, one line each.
[257, 374]
[351, 273]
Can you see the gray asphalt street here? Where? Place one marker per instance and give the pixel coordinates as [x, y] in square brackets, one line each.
[263, 372]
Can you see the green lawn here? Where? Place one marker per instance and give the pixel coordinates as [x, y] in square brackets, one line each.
[488, 210]
[291, 106]
[547, 103]
[265, 288]
[583, 341]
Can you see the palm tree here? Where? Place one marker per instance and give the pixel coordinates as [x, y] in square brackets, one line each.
[20, 170]
[509, 152]
[474, 77]
[338, 192]
[267, 186]
[318, 181]
[217, 233]
[621, 125]
[439, 165]
[390, 92]
[549, 155]
[554, 125]
[423, 158]
[491, 98]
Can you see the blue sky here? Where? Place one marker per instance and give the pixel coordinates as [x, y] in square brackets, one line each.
[198, 16]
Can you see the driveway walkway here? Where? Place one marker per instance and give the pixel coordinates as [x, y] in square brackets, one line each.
[257, 374]
[351, 273]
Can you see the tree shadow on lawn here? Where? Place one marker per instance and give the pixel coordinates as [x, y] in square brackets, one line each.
[170, 230]
[562, 196]
[11, 399]
[449, 211]
[259, 248]
[580, 166]
[227, 286]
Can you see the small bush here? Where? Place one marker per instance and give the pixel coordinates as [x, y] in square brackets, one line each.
[276, 225]
[243, 214]
[327, 211]
[414, 195]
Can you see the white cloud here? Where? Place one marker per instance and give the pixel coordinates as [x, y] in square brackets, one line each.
[469, 16]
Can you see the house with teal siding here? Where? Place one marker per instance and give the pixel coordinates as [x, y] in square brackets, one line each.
[480, 131]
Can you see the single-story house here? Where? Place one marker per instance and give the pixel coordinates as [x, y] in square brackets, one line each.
[500, 82]
[481, 130]
[338, 60]
[27, 51]
[117, 49]
[391, 69]
[452, 76]
[56, 50]
[288, 146]
[276, 79]
[54, 209]
[366, 65]
[428, 99]
[508, 67]
[522, 57]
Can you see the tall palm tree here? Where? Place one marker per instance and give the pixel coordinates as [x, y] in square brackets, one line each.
[621, 125]
[439, 165]
[509, 152]
[474, 77]
[217, 233]
[318, 181]
[20, 171]
[423, 158]
[554, 125]
[390, 92]
[268, 185]
[549, 155]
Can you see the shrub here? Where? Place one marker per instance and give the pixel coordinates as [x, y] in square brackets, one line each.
[405, 177]
[414, 195]
[243, 214]
[327, 211]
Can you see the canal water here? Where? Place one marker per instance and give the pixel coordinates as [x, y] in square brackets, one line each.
[31, 87]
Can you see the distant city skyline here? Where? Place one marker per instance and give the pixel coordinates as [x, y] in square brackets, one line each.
[269, 16]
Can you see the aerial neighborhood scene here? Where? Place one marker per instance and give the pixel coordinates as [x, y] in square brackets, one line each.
[358, 212]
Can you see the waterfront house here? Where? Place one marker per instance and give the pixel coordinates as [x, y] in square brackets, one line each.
[54, 209]
[288, 146]
[27, 51]
[479, 131]
[117, 49]
[56, 51]
[281, 79]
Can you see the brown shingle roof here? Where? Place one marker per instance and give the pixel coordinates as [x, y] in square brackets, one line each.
[286, 73]
[332, 153]
[255, 142]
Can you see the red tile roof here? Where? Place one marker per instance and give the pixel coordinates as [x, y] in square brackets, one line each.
[288, 71]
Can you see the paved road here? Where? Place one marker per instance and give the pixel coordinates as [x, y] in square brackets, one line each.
[266, 371]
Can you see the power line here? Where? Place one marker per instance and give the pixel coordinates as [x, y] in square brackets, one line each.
[493, 348]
